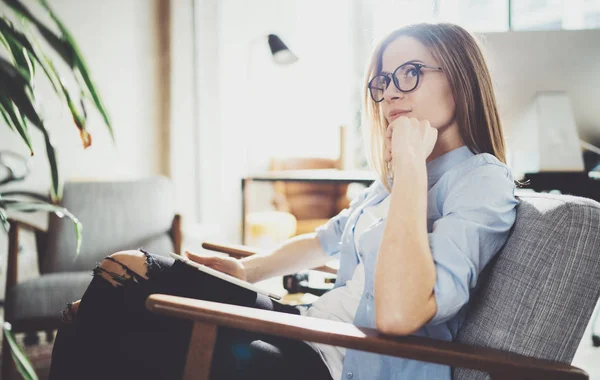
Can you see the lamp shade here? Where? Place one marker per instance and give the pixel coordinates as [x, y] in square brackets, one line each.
[281, 53]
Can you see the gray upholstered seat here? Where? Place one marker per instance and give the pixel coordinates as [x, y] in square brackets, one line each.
[537, 296]
[46, 296]
[115, 216]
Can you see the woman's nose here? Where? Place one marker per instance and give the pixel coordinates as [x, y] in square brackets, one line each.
[392, 92]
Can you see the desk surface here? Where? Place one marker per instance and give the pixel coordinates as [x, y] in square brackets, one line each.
[315, 175]
[581, 184]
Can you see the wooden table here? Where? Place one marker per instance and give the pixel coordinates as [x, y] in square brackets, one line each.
[581, 184]
[331, 176]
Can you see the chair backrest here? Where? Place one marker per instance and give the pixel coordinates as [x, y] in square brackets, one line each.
[538, 294]
[310, 200]
[115, 216]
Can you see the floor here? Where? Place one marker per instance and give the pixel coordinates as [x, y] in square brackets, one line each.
[40, 355]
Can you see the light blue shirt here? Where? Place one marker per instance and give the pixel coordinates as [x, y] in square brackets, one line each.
[470, 211]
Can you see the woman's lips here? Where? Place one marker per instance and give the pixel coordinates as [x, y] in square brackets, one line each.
[396, 115]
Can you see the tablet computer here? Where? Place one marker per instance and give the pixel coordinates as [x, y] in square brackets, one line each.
[224, 276]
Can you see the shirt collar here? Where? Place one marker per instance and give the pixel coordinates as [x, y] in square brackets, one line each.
[437, 167]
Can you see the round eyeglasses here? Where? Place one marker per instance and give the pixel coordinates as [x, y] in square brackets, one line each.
[406, 78]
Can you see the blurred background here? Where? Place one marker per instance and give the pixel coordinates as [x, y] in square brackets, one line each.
[198, 95]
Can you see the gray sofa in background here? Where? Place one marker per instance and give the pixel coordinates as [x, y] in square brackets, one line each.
[115, 216]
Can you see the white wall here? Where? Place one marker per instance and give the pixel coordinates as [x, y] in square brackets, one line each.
[183, 143]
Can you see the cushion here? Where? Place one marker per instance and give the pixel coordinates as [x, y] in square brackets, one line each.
[537, 295]
[45, 296]
[115, 216]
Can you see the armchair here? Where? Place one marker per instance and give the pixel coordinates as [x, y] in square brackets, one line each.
[524, 321]
[312, 204]
[115, 216]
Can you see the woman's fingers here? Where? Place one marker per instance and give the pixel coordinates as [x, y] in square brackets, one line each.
[387, 156]
[389, 131]
[201, 259]
[387, 151]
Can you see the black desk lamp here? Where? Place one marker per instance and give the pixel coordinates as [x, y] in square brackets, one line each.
[281, 53]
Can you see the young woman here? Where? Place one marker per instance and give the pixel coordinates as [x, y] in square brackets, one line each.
[411, 246]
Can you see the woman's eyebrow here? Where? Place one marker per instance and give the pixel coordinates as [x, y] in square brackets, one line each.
[411, 61]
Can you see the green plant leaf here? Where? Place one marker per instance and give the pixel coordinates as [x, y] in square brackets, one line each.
[53, 40]
[13, 117]
[67, 49]
[15, 86]
[30, 44]
[3, 40]
[15, 74]
[20, 46]
[17, 98]
[23, 365]
[51, 153]
[18, 41]
[78, 119]
[29, 206]
[8, 30]
[20, 124]
[4, 219]
[79, 62]
[21, 58]
[6, 118]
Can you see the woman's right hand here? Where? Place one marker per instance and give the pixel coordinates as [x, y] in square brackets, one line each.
[387, 146]
[387, 152]
[227, 265]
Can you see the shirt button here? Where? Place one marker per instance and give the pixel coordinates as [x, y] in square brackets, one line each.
[368, 295]
[349, 375]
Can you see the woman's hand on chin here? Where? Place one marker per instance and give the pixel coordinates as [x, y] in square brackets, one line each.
[409, 140]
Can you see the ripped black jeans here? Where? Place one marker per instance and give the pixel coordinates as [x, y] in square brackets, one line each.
[114, 336]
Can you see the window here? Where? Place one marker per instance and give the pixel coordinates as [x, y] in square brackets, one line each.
[555, 14]
[475, 15]
[484, 15]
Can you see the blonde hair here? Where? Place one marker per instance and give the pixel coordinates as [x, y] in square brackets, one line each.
[464, 65]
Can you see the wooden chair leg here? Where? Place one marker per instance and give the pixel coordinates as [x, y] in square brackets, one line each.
[31, 339]
[9, 371]
[200, 351]
[49, 336]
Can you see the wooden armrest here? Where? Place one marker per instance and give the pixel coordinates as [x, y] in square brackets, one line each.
[498, 364]
[237, 251]
[12, 262]
[240, 251]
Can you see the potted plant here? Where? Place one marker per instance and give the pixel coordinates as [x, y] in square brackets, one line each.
[22, 59]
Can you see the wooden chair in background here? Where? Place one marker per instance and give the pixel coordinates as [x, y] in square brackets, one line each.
[312, 204]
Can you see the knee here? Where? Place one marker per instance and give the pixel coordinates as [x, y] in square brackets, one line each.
[121, 263]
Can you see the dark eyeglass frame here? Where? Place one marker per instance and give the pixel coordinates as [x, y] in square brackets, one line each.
[416, 65]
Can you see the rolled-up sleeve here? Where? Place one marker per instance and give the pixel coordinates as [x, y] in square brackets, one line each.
[330, 234]
[477, 215]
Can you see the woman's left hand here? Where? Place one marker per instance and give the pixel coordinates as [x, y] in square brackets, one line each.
[410, 139]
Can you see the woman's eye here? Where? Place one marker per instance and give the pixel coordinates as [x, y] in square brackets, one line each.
[411, 72]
